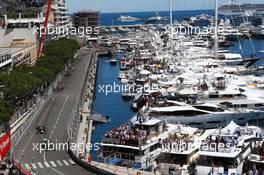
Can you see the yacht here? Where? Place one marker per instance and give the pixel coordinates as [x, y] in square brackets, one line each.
[224, 151]
[225, 90]
[180, 151]
[203, 115]
[236, 9]
[227, 30]
[127, 19]
[258, 31]
[202, 20]
[136, 144]
[145, 143]
[255, 162]
[156, 19]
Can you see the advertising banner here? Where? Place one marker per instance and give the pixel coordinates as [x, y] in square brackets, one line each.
[5, 144]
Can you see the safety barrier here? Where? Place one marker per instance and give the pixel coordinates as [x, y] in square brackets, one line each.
[87, 166]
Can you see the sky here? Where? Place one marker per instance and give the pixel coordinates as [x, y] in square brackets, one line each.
[106, 6]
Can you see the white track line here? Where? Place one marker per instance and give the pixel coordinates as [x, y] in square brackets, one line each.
[34, 166]
[52, 132]
[40, 165]
[47, 164]
[53, 164]
[71, 161]
[65, 162]
[59, 163]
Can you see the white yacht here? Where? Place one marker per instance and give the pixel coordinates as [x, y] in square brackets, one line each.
[127, 19]
[255, 162]
[223, 151]
[203, 115]
[180, 151]
[156, 19]
[258, 31]
[227, 30]
[144, 143]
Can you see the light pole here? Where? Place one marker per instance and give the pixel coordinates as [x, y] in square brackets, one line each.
[171, 20]
[216, 28]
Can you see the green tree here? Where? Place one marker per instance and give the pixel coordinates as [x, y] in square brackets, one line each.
[6, 111]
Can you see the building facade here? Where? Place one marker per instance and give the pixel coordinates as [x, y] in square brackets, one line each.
[86, 19]
[59, 17]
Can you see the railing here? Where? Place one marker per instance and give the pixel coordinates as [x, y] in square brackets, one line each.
[116, 141]
[87, 166]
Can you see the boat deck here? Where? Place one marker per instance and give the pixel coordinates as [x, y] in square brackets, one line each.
[120, 170]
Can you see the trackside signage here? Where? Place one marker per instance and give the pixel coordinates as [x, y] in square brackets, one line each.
[5, 144]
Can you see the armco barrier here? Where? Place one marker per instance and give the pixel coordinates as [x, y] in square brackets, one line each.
[87, 166]
[21, 169]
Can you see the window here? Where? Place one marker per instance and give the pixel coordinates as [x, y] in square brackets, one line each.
[243, 105]
[259, 105]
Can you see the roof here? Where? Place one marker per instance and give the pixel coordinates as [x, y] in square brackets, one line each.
[8, 35]
[25, 20]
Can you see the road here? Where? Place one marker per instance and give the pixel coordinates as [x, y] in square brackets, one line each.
[54, 117]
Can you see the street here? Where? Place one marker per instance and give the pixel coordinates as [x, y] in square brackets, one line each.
[55, 117]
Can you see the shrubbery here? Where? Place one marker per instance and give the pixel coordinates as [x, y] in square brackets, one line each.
[22, 82]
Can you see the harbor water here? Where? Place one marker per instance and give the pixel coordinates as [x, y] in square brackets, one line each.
[115, 107]
[110, 104]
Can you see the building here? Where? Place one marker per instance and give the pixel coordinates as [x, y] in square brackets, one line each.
[18, 42]
[86, 19]
[24, 22]
[19, 51]
[18, 54]
[59, 17]
[5, 58]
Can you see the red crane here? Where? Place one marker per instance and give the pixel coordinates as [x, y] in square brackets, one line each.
[43, 33]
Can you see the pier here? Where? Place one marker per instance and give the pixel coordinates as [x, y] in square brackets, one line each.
[86, 119]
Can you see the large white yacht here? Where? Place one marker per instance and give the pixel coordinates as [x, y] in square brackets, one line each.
[143, 143]
[127, 19]
[225, 150]
[202, 115]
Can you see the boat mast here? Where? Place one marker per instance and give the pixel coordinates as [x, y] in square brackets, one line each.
[216, 28]
[171, 16]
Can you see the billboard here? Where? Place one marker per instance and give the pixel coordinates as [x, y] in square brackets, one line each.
[5, 145]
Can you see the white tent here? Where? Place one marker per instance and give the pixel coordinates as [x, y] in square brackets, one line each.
[230, 128]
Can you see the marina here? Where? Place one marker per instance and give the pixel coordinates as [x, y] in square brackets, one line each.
[179, 96]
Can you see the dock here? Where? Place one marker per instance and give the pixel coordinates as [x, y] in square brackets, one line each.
[99, 118]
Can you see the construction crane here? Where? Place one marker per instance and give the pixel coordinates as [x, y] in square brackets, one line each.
[43, 34]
